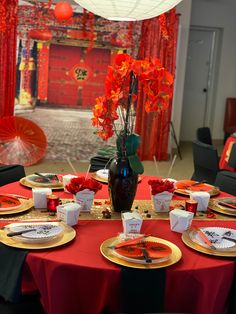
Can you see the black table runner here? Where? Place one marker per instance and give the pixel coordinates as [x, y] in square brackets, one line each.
[11, 265]
[142, 290]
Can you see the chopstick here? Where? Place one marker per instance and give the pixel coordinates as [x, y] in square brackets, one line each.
[129, 242]
[226, 204]
[16, 233]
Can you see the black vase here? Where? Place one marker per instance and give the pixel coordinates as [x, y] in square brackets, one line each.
[122, 184]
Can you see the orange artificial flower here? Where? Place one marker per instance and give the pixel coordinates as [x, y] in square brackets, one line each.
[124, 80]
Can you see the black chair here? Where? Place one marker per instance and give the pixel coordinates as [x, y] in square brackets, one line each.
[103, 158]
[206, 162]
[204, 135]
[11, 173]
[226, 181]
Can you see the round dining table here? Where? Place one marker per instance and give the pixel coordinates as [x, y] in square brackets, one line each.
[76, 278]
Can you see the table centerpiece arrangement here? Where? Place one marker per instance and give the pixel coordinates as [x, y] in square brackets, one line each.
[114, 113]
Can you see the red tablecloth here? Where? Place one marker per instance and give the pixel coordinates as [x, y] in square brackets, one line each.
[76, 278]
[223, 164]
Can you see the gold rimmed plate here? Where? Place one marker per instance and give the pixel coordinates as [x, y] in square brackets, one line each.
[26, 204]
[28, 184]
[185, 187]
[188, 237]
[219, 208]
[67, 236]
[107, 252]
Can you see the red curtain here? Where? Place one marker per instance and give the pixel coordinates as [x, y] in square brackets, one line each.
[158, 40]
[8, 38]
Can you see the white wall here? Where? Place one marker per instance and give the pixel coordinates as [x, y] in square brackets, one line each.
[220, 13]
[184, 9]
[212, 13]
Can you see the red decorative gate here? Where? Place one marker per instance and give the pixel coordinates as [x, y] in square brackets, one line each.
[76, 75]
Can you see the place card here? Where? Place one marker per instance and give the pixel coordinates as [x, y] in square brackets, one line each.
[132, 222]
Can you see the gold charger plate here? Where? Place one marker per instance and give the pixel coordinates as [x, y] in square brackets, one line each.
[67, 236]
[186, 237]
[26, 205]
[26, 183]
[102, 180]
[215, 191]
[213, 204]
[174, 257]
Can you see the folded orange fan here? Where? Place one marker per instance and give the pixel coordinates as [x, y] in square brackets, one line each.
[154, 250]
[8, 202]
[192, 185]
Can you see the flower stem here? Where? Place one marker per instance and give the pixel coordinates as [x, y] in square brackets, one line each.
[131, 86]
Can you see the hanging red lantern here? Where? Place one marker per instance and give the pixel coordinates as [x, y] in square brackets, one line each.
[40, 34]
[63, 11]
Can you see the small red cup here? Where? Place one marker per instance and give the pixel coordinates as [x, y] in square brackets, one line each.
[52, 202]
[191, 206]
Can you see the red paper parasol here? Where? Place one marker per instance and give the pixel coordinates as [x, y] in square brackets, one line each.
[21, 141]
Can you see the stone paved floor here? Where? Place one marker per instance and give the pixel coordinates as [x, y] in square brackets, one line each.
[69, 133]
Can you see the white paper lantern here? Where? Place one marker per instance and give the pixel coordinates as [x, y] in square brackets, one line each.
[127, 10]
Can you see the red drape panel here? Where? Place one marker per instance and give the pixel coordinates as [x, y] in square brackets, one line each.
[158, 40]
[8, 36]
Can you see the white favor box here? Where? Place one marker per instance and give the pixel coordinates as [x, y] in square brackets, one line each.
[69, 213]
[66, 180]
[40, 197]
[180, 220]
[85, 199]
[202, 199]
[132, 222]
[161, 201]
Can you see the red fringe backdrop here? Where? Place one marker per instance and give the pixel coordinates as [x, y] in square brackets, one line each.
[8, 35]
[158, 40]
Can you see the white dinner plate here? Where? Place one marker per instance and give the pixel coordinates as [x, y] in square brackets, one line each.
[215, 234]
[43, 231]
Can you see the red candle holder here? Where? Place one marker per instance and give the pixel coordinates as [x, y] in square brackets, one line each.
[52, 202]
[191, 206]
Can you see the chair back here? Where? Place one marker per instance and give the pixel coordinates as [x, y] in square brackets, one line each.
[226, 181]
[206, 162]
[11, 173]
[204, 135]
[232, 157]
